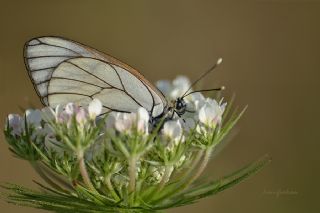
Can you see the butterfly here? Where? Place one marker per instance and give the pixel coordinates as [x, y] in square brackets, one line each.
[64, 71]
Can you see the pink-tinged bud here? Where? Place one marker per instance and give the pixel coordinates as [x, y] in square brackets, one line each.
[142, 120]
[16, 123]
[81, 116]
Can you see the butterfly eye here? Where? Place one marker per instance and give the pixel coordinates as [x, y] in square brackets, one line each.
[180, 107]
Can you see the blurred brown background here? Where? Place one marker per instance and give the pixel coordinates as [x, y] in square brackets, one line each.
[271, 52]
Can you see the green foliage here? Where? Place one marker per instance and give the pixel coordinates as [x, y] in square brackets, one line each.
[89, 169]
[88, 202]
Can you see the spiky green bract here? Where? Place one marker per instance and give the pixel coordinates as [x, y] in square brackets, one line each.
[90, 168]
[87, 202]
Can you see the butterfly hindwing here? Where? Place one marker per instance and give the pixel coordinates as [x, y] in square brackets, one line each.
[82, 79]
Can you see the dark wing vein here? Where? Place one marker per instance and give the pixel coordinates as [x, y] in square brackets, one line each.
[124, 89]
[53, 45]
[71, 79]
[88, 72]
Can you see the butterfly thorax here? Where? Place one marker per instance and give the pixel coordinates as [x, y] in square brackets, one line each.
[180, 106]
[175, 108]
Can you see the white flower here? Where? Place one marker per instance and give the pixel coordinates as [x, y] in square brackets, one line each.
[81, 116]
[211, 112]
[94, 108]
[63, 116]
[175, 89]
[198, 99]
[164, 86]
[180, 85]
[142, 120]
[172, 130]
[189, 124]
[71, 109]
[16, 123]
[34, 118]
[124, 121]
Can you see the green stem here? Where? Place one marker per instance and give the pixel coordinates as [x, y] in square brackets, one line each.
[197, 173]
[132, 179]
[108, 183]
[195, 162]
[165, 177]
[84, 172]
[132, 174]
[201, 167]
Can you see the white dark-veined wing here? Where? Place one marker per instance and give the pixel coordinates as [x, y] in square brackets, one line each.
[82, 79]
[44, 55]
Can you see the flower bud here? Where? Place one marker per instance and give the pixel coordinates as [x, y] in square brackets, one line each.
[210, 114]
[16, 123]
[33, 118]
[94, 108]
[172, 130]
[142, 120]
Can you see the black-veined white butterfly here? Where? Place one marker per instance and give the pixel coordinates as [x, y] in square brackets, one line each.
[64, 71]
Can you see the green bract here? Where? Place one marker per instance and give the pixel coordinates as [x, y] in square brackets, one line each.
[119, 162]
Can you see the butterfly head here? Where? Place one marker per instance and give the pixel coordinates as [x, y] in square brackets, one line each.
[180, 106]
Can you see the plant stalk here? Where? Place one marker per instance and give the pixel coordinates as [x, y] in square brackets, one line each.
[132, 174]
[167, 173]
[110, 188]
[84, 172]
[201, 167]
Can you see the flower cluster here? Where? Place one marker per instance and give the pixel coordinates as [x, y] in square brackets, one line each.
[121, 159]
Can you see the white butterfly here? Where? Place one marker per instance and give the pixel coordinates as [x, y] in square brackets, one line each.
[64, 71]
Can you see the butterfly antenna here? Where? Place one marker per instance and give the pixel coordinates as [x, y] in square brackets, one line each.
[219, 61]
[205, 90]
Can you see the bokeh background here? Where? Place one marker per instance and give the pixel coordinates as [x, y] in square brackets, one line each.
[271, 52]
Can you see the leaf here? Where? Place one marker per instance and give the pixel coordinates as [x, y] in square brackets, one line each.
[214, 187]
[57, 203]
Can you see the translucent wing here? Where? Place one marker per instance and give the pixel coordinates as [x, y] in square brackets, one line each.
[82, 79]
[44, 54]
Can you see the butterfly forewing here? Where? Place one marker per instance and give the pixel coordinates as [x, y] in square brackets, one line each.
[42, 55]
[65, 71]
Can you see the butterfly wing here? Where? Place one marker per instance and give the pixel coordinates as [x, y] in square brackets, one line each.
[82, 79]
[44, 55]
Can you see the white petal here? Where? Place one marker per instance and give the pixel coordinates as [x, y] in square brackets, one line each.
[95, 108]
[143, 114]
[180, 85]
[70, 108]
[16, 123]
[172, 129]
[164, 86]
[181, 82]
[124, 121]
[81, 116]
[33, 117]
[142, 120]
